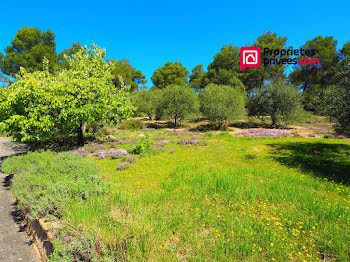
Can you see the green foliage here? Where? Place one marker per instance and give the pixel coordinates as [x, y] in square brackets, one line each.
[131, 76]
[256, 77]
[177, 103]
[146, 101]
[69, 248]
[225, 67]
[42, 106]
[198, 78]
[282, 102]
[142, 146]
[170, 74]
[337, 104]
[63, 57]
[45, 182]
[335, 101]
[28, 50]
[132, 124]
[314, 79]
[222, 103]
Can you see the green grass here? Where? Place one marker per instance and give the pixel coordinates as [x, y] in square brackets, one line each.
[245, 199]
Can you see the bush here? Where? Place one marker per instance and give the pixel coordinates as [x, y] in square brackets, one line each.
[220, 103]
[142, 146]
[123, 165]
[177, 103]
[45, 182]
[282, 102]
[132, 124]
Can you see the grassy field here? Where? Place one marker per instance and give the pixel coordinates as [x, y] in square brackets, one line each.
[225, 199]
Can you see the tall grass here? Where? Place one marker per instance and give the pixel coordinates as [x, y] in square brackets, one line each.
[246, 199]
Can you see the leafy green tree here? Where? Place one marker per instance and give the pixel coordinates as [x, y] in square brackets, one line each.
[220, 103]
[337, 104]
[336, 99]
[28, 50]
[280, 101]
[170, 74]
[146, 101]
[256, 77]
[132, 77]
[198, 79]
[43, 106]
[225, 67]
[345, 51]
[68, 53]
[177, 103]
[314, 79]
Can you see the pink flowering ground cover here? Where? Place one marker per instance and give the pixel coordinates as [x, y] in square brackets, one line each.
[258, 132]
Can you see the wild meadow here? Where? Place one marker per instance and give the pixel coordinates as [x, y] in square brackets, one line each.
[214, 197]
[220, 164]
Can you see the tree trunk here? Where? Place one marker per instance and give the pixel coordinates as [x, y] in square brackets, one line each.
[273, 118]
[80, 135]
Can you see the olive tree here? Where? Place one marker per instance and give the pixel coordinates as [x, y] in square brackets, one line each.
[177, 103]
[221, 103]
[146, 101]
[42, 106]
[280, 101]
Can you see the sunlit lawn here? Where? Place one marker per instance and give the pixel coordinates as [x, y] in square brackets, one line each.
[250, 199]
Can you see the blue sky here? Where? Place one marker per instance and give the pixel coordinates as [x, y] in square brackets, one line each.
[150, 33]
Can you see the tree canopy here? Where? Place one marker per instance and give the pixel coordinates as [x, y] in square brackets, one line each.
[314, 79]
[28, 50]
[198, 78]
[170, 74]
[43, 106]
[131, 77]
[177, 103]
[221, 103]
[68, 53]
[280, 101]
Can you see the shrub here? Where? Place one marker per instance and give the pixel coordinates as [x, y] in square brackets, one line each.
[113, 153]
[177, 103]
[131, 159]
[132, 124]
[220, 103]
[123, 165]
[256, 132]
[163, 142]
[45, 182]
[141, 146]
[282, 102]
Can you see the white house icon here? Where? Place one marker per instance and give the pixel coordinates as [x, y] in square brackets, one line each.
[250, 57]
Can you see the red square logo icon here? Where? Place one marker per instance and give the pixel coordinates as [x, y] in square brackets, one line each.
[250, 57]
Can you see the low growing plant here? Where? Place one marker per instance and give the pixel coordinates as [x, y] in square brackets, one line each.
[44, 182]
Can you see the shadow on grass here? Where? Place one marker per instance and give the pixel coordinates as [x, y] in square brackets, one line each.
[60, 144]
[160, 125]
[326, 160]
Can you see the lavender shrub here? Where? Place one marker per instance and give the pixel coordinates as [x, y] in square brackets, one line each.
[257, 132]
